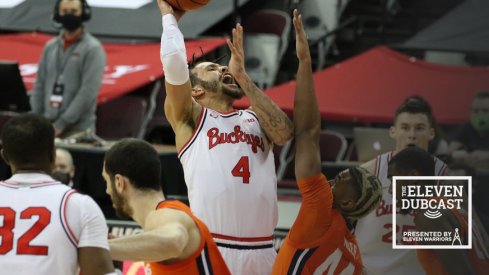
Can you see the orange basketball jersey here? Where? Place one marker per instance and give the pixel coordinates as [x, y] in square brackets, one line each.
[334, 252]
[206, 260]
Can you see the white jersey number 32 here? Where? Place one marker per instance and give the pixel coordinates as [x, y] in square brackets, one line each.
[24, 247]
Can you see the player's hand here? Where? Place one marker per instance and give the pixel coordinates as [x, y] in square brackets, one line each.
[178, 14]
[301, 45]
[236, 63]
[166, 8]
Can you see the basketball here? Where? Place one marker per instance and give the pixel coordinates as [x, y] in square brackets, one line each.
[187, 5]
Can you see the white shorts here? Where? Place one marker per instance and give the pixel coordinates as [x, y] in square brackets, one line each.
[247, 258]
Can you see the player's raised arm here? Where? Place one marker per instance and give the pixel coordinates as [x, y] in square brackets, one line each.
[179, 106]
[314, 216]
[307, 122]
[273, 120]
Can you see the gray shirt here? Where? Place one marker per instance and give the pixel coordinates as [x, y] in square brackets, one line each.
[80, 69]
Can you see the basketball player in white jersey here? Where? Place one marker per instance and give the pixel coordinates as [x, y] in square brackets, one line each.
[413, 126]
[45, 226]
[226, 154]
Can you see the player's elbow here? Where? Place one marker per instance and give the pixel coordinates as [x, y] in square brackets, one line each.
[180, 241]
[289, 133]
[285, 135]
[308, 129]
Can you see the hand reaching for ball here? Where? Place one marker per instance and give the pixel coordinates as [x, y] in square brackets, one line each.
[179, 7]
[166, 8]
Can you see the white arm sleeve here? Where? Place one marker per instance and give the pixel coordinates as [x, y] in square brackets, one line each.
[87, 221]
[172, 52]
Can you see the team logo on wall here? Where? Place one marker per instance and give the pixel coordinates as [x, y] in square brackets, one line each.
[442, 210]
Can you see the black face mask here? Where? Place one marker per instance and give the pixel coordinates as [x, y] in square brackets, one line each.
[61, 177]
[70, 22]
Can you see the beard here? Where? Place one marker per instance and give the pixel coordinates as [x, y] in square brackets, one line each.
[121, 206]
[234, 92]
[211, 86]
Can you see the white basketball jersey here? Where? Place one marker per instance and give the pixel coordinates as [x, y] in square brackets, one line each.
[230, 174]
[374, 231]
[37, 236]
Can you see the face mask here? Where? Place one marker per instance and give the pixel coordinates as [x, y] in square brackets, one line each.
[70, 22]
[480, 123]
[61, 177]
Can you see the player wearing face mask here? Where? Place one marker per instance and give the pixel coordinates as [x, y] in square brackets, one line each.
[70, 72]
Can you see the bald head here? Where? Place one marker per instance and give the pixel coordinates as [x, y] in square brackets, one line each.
[64, 162]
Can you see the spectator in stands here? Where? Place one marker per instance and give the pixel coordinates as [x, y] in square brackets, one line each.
[471, 144]
[70, 72]
[412, 127]
[470, 147]
[64, 169]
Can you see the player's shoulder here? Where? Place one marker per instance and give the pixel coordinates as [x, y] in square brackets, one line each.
[439, 161]
[57, 189]
[173, 213]
[370, 165]
[73, 197]
[380, 160]
[249, 112]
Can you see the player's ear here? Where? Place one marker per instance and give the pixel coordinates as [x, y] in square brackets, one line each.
[392, 131]
[120, 182]
[347, 204]
[432, 133]
[72, 172]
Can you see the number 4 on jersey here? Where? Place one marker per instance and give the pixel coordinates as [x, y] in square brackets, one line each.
[242, 170]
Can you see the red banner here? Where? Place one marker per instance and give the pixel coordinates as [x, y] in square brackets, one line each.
[128, 66]
[370, 86]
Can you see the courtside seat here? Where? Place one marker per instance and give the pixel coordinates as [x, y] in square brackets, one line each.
[265, 42]
[122, 117]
